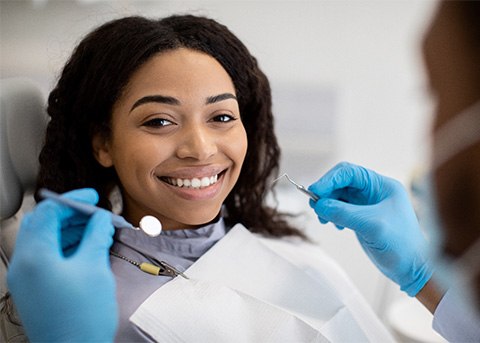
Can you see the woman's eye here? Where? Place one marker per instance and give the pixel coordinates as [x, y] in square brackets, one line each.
[157, 122]
[223, 118]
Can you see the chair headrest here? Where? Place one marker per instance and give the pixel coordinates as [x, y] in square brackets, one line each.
[22, 129]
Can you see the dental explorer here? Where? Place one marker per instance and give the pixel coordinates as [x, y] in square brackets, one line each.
[301, 188]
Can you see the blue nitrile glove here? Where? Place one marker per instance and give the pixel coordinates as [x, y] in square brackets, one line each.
[378, 209]
[73, 228]
[62, 298]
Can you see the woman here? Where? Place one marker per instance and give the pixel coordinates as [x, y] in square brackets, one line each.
[100, 73]
[165, 105]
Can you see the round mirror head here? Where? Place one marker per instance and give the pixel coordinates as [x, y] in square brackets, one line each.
[151, 226]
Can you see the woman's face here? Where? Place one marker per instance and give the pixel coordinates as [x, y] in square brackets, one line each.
[177, 141]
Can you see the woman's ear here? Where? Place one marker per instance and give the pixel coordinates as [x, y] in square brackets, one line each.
[101, 150]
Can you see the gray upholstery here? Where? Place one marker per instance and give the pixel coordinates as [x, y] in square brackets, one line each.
[22, 129]
[22, 126]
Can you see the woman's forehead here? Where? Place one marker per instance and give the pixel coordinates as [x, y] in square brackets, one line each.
[181, 71]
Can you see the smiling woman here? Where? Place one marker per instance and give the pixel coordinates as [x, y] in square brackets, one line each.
[175, 114]
[184, 125]
[157, 81]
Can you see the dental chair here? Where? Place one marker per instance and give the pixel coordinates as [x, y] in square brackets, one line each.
[22, 128]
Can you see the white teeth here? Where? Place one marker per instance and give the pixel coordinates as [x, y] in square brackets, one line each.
[196, 183]
[193, 183]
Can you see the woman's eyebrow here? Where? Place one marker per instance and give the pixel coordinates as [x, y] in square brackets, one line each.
[155, 98]
[220, 97]
[173, 101]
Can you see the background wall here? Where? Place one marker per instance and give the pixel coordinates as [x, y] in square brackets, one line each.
[347, 79]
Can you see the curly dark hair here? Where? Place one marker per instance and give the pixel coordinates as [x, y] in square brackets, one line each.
[80, 106]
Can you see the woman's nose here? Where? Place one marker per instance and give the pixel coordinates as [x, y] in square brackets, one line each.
[198, 144]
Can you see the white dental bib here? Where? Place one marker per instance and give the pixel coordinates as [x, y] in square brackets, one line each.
[243, 291]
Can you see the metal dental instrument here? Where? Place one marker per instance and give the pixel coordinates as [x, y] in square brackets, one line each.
[171, 271]
[159, 268]
[301, 188]
[148, 224]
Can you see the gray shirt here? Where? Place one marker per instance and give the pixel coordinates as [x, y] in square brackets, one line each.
[179, 248]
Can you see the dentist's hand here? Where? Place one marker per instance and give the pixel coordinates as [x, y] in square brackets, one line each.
[61, 298]
[378, 209]
[74, 227]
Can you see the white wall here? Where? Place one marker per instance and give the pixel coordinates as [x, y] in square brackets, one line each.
[365, 55]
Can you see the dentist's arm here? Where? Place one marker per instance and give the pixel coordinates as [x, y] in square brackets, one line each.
[378, 209]
[61, 298]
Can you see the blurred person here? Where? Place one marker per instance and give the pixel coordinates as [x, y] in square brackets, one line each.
[378, 209]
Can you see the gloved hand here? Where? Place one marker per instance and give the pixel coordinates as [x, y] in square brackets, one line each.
[73, 228]
[378, 209]
[62, 298]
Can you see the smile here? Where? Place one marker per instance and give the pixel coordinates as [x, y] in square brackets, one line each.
[194, 183]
